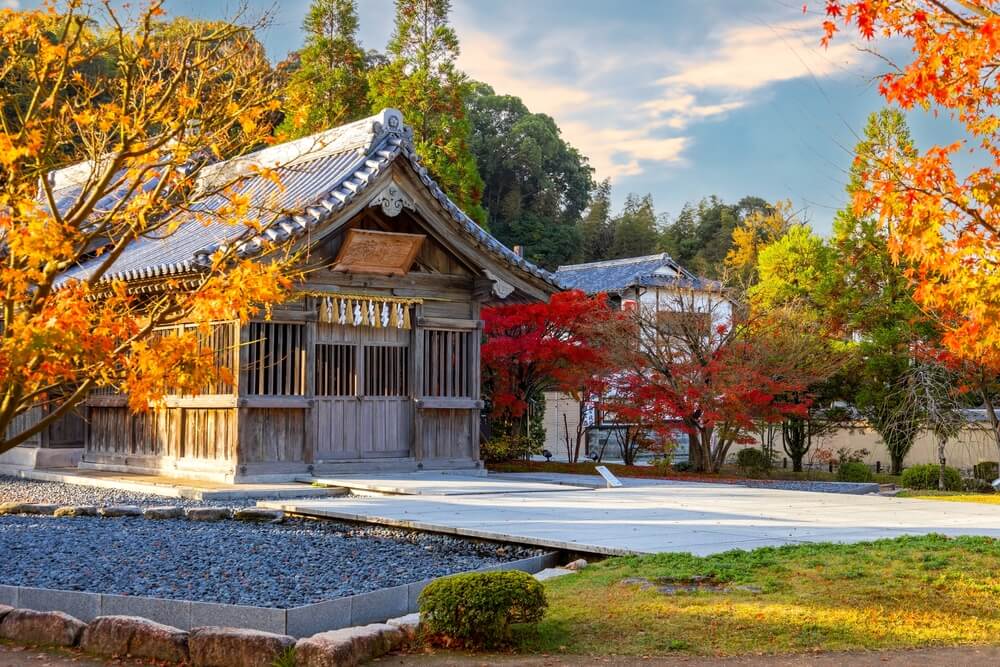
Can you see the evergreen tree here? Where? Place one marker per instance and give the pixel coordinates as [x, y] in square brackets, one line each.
[872, 299]
[635, 229]
[596, 231]
[328, 85]
[422, 81]
[535, 184]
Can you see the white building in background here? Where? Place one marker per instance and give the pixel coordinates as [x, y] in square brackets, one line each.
[663, 290]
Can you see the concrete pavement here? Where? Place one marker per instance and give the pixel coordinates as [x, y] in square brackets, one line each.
[662, 516]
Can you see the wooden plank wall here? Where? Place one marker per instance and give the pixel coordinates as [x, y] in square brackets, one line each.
[271, 435]
[447, 434]
[191, 433]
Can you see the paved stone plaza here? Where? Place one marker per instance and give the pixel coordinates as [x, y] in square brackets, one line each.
[658, 516]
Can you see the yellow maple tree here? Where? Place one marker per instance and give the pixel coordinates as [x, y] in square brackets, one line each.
[111, 122]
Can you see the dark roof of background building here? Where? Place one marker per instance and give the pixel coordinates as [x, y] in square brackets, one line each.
[617, 275]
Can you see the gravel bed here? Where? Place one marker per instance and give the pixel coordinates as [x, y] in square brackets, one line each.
[857, 488]
[17, 489]
[286, 565]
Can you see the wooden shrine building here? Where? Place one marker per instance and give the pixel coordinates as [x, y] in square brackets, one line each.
[373, 366]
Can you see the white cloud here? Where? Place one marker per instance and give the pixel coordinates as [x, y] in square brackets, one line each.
[744, 60]
[750, 57]
[625, 112]
[10, 4]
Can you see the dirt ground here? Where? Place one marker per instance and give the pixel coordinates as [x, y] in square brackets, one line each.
[953, 657]
[15, 656]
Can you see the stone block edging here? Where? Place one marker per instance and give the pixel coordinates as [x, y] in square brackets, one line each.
[354, 610]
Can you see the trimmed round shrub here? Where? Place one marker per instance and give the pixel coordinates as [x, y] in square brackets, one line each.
[752, 461]
[852, 471]
[479, 608]
[926, 477]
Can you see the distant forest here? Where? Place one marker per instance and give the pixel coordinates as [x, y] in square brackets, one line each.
[506, 166]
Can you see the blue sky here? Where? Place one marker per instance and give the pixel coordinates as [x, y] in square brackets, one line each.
[680, 98]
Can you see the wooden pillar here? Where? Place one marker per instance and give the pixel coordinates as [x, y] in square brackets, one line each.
[310, 425]
[417, 449]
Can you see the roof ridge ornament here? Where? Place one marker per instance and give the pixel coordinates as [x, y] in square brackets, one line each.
[390, 124]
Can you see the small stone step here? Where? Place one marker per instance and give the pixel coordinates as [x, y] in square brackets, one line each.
[39, 508]
[207, 513]
[164, 512]
[260, 514]
[552, 573]
[76, 510]
[112, 511]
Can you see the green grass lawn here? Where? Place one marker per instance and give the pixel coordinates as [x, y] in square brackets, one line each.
[902, 593]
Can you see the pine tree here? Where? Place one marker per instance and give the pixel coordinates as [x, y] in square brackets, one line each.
[422, 81]
[329, 86]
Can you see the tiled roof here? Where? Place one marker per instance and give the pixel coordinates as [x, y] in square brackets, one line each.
[617, 275]
[319, 175]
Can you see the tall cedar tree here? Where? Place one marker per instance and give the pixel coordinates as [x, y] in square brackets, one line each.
[535, 184]
[871, 298]
[330, 86]
[635, 229]
[422, 81]
[596, 230]
[139, 173]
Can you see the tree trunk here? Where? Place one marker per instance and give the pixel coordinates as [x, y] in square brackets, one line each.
[991, 413]
[942, 441]
[897, 462]
[701, 450]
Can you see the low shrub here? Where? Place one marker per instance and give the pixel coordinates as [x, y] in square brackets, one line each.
[854, 471]
[926, 477]
[507, 448]
[479, 608]
[682, 466]
[986, 471]
[752, 461]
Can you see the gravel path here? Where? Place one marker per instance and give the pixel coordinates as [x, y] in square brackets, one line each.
[291, 564]
[286, 565]
[16, 489]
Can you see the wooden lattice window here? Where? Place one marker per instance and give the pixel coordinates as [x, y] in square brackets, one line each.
[387, 370]
[220, 338]
[336, 370]
[276, 359]
[448, 363]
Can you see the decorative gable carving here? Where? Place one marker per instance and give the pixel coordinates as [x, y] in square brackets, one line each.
[393, 200]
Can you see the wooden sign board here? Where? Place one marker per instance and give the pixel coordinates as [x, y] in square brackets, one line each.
[381, 253]
[609, 477]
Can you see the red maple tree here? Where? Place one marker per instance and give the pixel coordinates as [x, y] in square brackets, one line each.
[709, 374]
[566, 345]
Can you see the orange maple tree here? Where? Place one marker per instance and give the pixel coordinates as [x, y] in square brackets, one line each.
[142, 109]
[942, 220]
